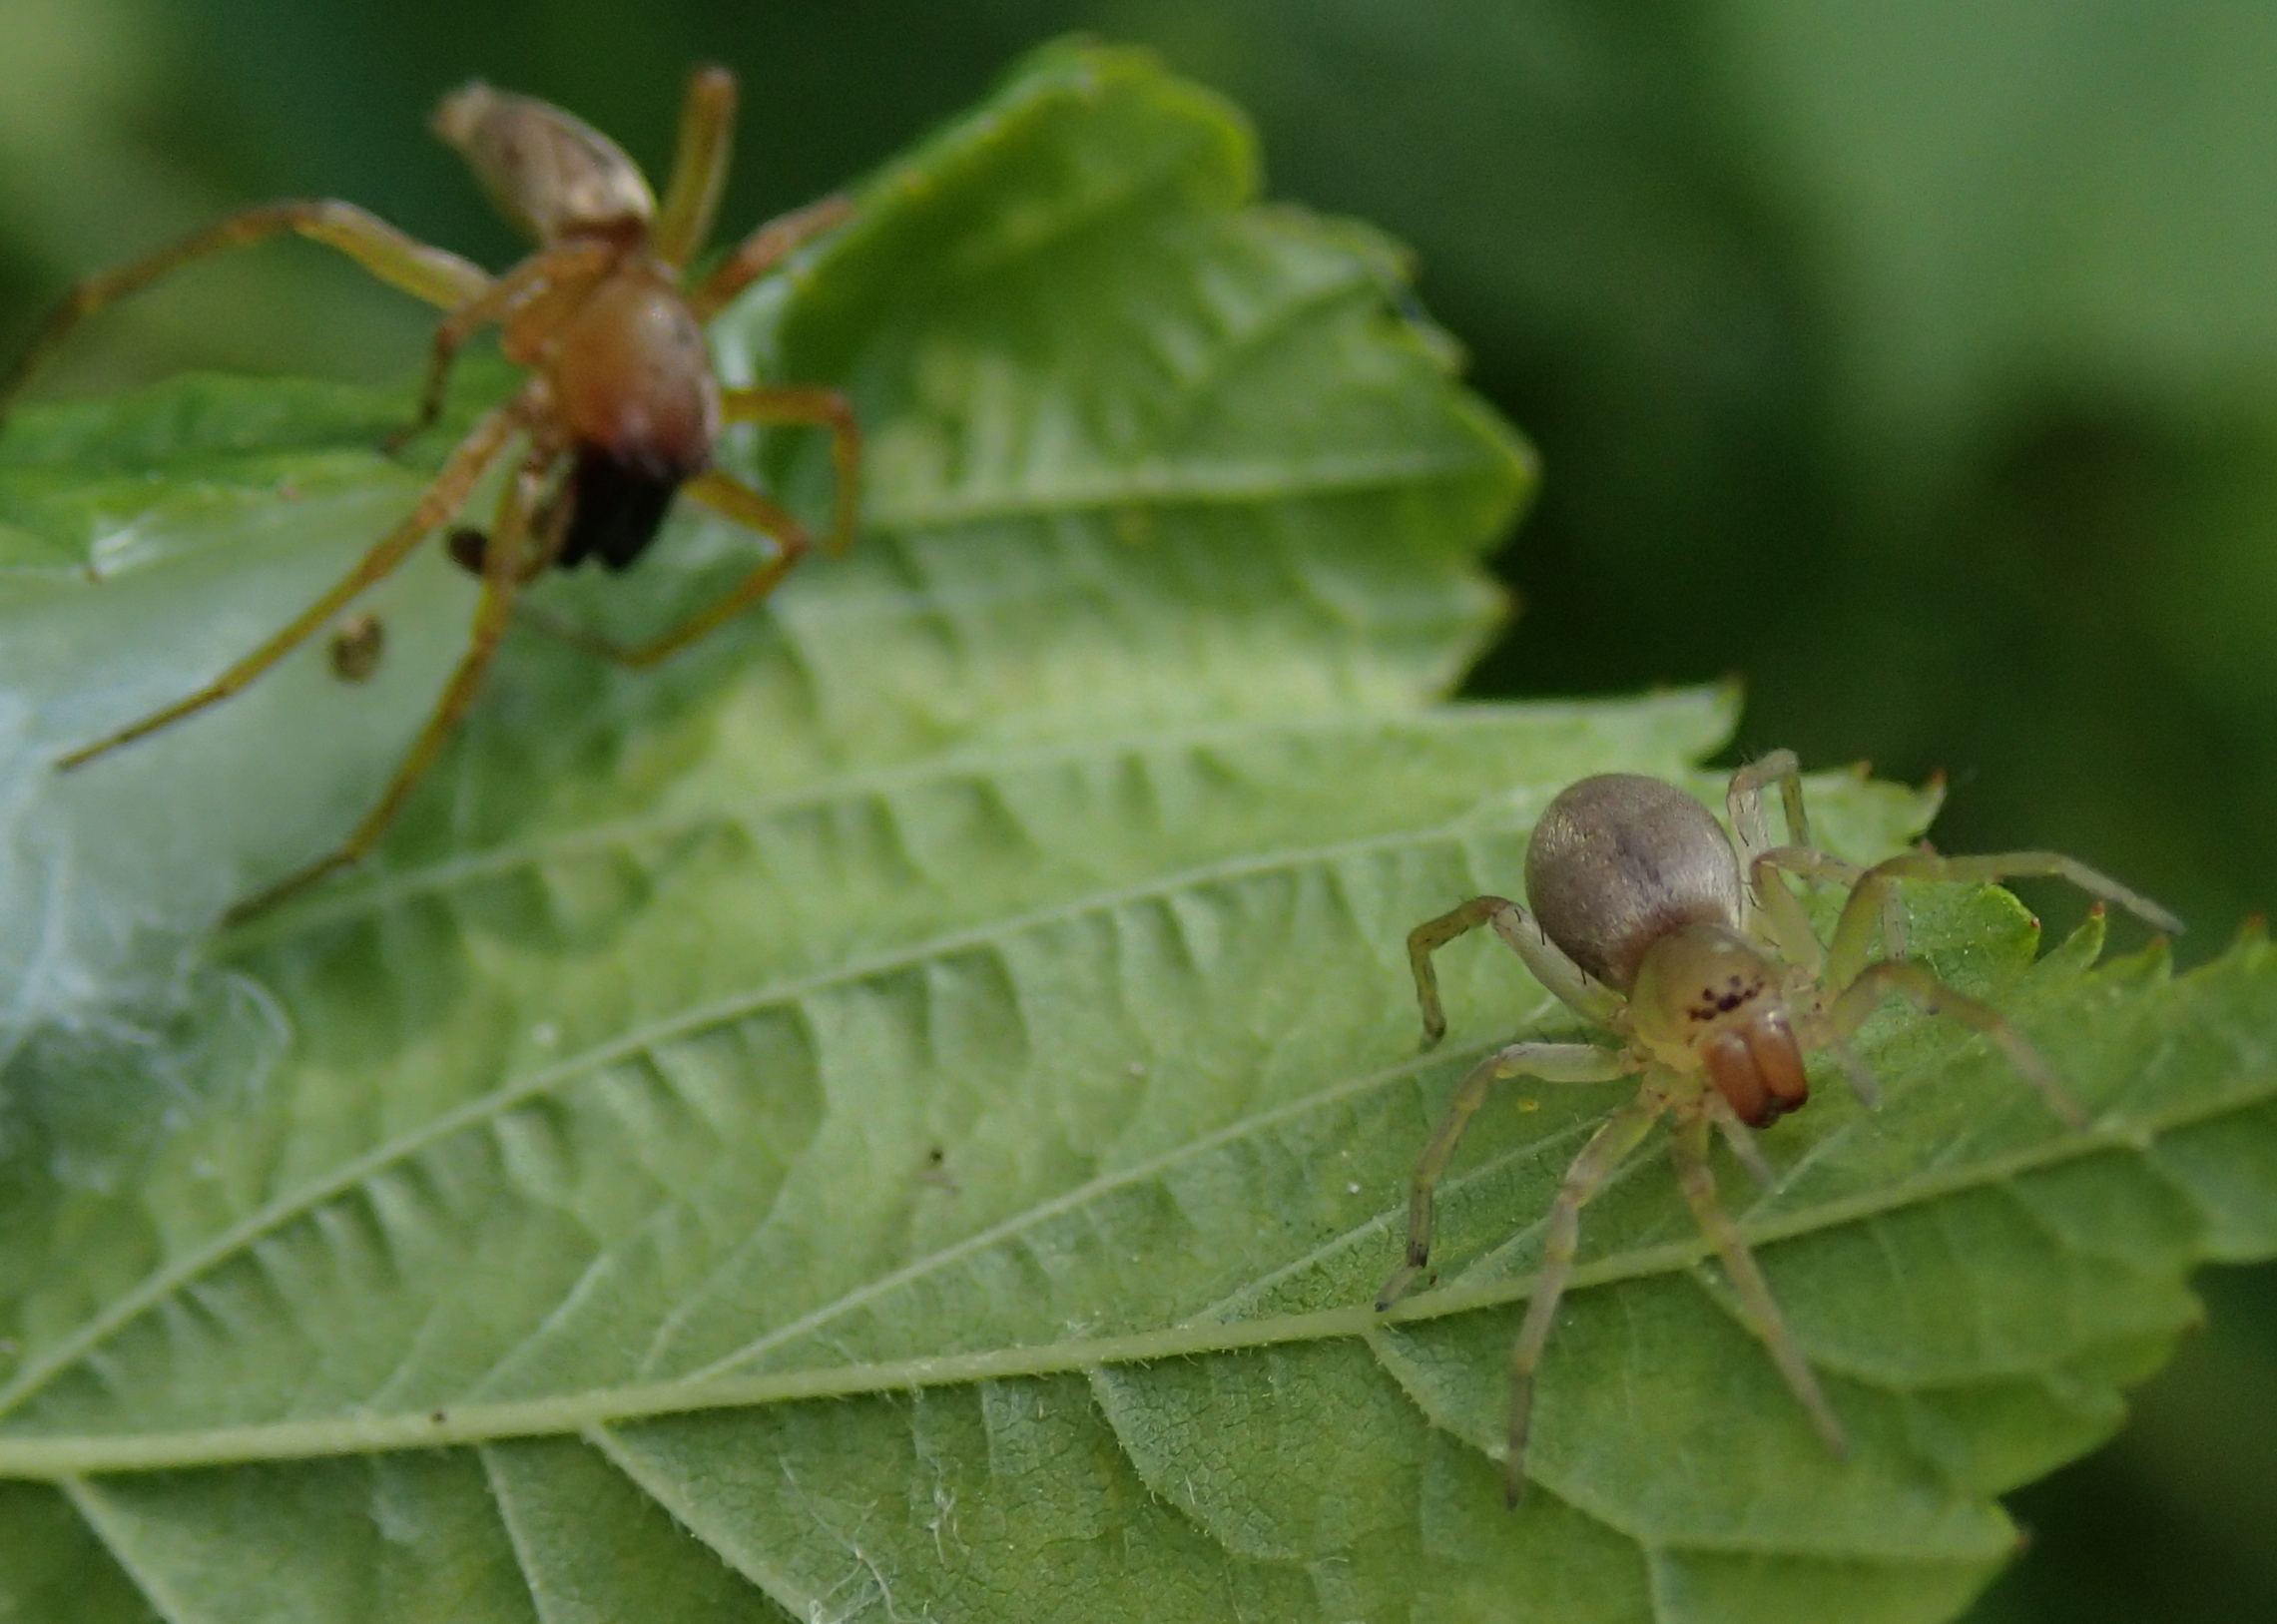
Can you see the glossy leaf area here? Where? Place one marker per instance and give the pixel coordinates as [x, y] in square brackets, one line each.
[903, 1113]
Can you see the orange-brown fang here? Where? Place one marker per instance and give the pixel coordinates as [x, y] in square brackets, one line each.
[1758, 1069]
[1779, 1059]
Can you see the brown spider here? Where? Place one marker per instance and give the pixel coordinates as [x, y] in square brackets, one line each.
[621, 414]
[1647, 922]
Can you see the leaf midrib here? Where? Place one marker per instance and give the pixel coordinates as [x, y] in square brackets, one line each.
[76, 1455]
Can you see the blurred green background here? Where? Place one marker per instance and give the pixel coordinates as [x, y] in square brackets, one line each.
[1917, 363]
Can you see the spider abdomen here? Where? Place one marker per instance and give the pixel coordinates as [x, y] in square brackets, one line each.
[1617, 862]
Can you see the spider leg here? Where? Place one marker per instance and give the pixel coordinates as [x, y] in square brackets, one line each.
[565, 266]
[440, 499]
[1892, 979]
[1550, 1062]
[734, 500]
[1608, 1147]
[1782, 918]
[1698, 1182]
[1739, 1136]
[501, 581]
[825, 408]
[1788, 926]
[1566, 980]
[1857, 1071]
[1847, 953]
[698, 166]
[1743, 799]
[426, 272]
[763, 251]
[1751, 828]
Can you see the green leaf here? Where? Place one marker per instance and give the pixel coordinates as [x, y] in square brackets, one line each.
[903, 1113]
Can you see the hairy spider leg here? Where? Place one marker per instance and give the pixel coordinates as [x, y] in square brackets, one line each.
[545, 271]
[1697, 1180]
[1765, 894]
[1789, 927]
[1743, 799]
[1847, 953]
[1549, 1062]
[426, 273]
[440, 499]
[1779, 915]
[699, 166]
[502, 578]
[765, 248]
[1607, 1148]
[823, 409]
[1891, 978]
[1567, 981]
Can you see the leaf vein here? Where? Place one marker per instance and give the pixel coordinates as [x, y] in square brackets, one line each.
[59, 1455]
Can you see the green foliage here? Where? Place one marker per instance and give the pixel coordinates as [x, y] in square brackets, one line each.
[902, 1115]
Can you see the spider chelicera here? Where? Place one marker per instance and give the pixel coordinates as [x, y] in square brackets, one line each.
[620, 416]
[1647, 922]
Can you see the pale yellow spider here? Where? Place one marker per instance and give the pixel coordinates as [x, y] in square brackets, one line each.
[1647, 922]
